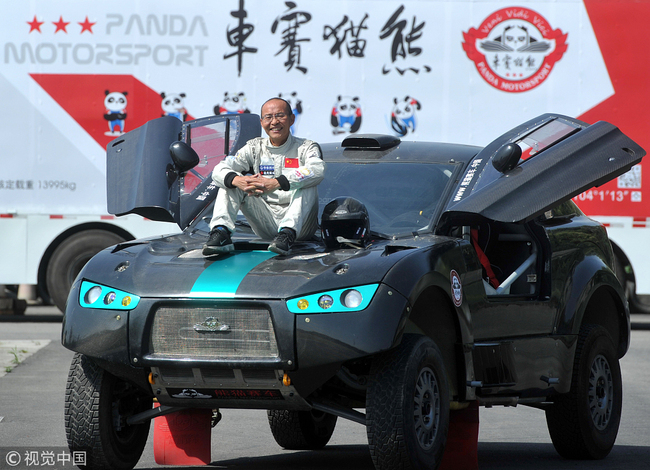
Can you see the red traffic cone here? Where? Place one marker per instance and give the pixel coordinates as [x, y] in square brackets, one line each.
[461, 451]
[183, 437]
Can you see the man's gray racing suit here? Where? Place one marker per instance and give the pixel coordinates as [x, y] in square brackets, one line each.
[299, 168]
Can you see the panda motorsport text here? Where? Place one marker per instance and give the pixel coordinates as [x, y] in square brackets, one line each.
[85, 53]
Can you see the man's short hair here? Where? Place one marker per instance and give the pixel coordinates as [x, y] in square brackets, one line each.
[286, 103]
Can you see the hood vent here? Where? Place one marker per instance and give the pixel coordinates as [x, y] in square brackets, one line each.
[370, 141]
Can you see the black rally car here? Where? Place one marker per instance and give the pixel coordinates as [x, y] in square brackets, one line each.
[477, 279]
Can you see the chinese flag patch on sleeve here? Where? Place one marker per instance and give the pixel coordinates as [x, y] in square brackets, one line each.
[291, 163]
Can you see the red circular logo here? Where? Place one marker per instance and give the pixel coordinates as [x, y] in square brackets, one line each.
[515, 49]
[456, 288]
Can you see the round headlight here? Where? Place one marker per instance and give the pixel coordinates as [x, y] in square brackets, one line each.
[351, 298]
[93, 294]
[303, 304]
[110, 297]
[325, 301]
[126, 301]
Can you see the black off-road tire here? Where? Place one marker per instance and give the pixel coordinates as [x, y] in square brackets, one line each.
[584, 423]
[407, 406]
[94, 400]
[301, 430]
[72, 255]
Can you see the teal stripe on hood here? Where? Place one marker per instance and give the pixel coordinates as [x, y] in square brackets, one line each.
[222, 278]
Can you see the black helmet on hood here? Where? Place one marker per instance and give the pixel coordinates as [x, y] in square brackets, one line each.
[345, 220]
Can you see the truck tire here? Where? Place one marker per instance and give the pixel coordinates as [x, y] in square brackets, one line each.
[97, 405]
[583, 424]
[70, 256]
[407, 406]
[301, 430]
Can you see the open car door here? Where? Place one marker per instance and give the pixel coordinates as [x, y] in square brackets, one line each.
[143, 178]
[521, 175]
[539, 164]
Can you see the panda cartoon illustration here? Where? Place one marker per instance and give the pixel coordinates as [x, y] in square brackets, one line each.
[515, 38]
[232, 104]
[346, 115]
[173, 104]
[296, 106]
[115, 104]
[402, 116]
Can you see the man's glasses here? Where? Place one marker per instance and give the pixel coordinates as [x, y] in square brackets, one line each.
[278, 116]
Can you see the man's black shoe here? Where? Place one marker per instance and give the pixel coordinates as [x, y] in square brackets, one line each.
[219, 242]
[283, 241]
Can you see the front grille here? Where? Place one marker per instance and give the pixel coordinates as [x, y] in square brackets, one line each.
[212, 334]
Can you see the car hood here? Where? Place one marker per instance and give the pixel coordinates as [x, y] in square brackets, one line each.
[173, 267]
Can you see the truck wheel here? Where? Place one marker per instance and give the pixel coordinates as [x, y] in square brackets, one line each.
[70, 256]
[301, 430]
[407, 406]
[97, 405]
[583, 424]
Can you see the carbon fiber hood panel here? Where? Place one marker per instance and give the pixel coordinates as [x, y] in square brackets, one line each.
[173, 267]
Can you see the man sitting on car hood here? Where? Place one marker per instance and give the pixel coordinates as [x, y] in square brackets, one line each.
[273, 180]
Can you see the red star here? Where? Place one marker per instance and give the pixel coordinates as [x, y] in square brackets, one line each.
[87, 26]
[35, 25]
[61, 25]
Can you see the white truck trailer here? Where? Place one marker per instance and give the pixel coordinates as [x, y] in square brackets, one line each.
[75, 75]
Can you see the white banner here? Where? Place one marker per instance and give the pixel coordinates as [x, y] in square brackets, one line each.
[462, 71]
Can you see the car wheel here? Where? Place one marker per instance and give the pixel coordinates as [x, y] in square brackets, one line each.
[97, 405]
[72, 255]
[407, 406]
[583, 424]
[301, 430]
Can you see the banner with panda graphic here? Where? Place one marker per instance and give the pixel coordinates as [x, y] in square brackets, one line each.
[462, 71]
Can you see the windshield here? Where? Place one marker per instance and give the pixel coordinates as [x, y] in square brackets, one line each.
[400, 197]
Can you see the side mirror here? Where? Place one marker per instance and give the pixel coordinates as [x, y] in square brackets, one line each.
[184, 157]
[507, 157]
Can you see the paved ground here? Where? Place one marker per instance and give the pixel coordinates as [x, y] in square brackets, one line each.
[13, 351]
[31, 414]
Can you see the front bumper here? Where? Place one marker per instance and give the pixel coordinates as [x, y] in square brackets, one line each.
[225, 388]
[232, 352]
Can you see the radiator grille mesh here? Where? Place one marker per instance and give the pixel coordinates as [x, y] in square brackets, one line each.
[237, 334]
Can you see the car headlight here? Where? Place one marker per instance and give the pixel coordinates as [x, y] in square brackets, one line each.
[351, 299]
[93, 295]
[325, 301]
